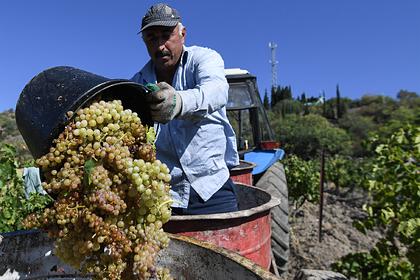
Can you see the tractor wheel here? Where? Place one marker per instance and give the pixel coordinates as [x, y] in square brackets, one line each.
[274, 182]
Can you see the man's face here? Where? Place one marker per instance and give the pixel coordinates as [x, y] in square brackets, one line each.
[164, 45]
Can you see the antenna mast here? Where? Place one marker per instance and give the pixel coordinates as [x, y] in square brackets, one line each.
[274, 63]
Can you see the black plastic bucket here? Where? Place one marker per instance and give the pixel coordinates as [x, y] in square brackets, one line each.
[41, 111]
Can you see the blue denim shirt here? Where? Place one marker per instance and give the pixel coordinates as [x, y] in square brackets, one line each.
[199, 146]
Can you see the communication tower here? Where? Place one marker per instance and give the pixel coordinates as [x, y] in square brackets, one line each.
[274, 63]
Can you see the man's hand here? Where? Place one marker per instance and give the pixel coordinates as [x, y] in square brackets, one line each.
[165, 104]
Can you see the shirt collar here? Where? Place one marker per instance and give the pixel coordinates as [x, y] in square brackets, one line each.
[184, 56]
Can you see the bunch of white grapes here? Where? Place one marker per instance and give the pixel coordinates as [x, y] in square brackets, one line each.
[111, 194]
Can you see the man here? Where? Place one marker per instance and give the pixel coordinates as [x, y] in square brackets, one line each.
[194, 137]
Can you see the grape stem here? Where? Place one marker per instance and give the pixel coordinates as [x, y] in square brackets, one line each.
[121, 138]
[165, 202]
[76, 207]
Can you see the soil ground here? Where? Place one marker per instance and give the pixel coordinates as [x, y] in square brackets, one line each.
[339, 237]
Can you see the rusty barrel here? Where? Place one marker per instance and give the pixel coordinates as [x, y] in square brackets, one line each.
[243, 172]
[247, 231]
[29, 255]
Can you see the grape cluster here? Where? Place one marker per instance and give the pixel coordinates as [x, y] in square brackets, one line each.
[111, 194]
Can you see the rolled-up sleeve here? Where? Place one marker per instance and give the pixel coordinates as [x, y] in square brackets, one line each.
[211, 90]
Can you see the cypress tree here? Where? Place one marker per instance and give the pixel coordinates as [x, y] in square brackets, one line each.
[337, 92]
[274, 98]
[303, 98]
[266, 102]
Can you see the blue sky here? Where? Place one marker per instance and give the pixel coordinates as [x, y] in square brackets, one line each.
[365, 46]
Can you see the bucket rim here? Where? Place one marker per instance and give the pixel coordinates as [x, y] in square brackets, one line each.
[93, 92]
[249, 165]
[273, 202]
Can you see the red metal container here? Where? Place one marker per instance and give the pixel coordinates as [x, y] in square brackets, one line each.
[243, 172]
[269, 145]
[247, 231]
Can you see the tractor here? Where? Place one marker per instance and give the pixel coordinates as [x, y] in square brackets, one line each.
[257, 145]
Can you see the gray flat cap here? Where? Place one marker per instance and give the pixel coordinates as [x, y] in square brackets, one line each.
[160, 15]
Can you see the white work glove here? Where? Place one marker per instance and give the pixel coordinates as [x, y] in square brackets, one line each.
[165, 104]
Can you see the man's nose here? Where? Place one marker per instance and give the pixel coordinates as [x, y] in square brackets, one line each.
[162, 47]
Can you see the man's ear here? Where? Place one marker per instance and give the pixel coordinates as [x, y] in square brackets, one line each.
[183, 34]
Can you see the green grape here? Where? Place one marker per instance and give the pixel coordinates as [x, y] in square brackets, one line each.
[111, 194]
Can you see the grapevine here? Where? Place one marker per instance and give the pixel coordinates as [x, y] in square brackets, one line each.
[111, 194]
[14, 206]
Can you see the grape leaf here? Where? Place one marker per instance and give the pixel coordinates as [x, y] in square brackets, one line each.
[151, 135]
[88, 167]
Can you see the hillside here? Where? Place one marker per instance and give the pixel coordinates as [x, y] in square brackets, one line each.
[10, 134]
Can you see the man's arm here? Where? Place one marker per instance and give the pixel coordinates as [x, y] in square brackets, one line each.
[211, 92]
[209, 95]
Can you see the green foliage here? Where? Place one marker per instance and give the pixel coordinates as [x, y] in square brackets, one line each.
[305, 136]
[13, 204]
[395, 189]
[402, 116]
[378, 107]
[395, 183]
[359, 128]
[337, 171]
[409, 99]
[384, 261]
[288, 106]
[90, 164]
[409, 96]
[379, 115]
[347, 172]
[302, 179]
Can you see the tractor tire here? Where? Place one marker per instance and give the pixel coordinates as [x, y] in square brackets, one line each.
[274, 182]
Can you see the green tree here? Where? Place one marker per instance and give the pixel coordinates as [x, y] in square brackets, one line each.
[378, 107]
[408, 99]
[266, 102]
[286, 93]
[331, 111]
[407, 95]
[306, 135]
[303, 98]
[280, 93]
[359, 128]
[338, 106]
[288, 106]
[399, 118]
